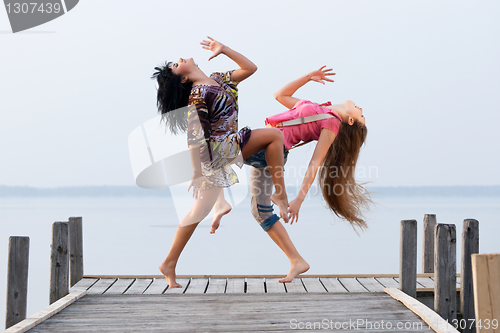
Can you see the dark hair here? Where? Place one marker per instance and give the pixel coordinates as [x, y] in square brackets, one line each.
[344, 196]
[172, 94]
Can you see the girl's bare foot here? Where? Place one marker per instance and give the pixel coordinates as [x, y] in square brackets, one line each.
[297, 268]
[169, 271]
[282, 202]
[219, 211]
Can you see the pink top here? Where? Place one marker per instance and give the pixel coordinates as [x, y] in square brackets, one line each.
[308, 131]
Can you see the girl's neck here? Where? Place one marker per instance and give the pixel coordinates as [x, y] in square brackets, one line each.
[340, 109]
[199, 77]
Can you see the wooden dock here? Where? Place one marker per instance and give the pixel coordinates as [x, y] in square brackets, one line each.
[218, 303]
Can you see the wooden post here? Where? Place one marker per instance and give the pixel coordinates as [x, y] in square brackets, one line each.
[408, 258]
[485, 274]
[59, 267]
[17, 280]
[470, 245]
[428, 243]
[75, 250]
[445, 271]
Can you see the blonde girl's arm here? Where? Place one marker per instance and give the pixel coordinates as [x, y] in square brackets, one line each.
[247, 67]
[325, 140]
[285, 94]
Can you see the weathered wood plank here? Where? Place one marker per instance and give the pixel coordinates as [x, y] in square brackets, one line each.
[75, 249]
[59, 262]
[157, 287]
[235, 285]
[445, 300]
[120, 286]
[46, 313]
[216, 286]
[353, 285]
[185, 283]
[295, 286]
[428, 243]
[197, 286]
[313, 285]
[101, 286]
[139, 286]
[255, 286]
[371, 284]
[388, 282]
[225, 313]
[333, 285]
[84, 284]
[430, 317]
[228, 276]
[408, 257]
[470, 245]
[425, 282]
[485, 273]
[17, 280]
[274, 287]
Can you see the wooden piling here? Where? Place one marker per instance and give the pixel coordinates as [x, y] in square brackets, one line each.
[408, 258]
[75, 250]
[17, 280]
[428, 243]
[445, 271]
[485, 273]
[470, 245]
[59, 265]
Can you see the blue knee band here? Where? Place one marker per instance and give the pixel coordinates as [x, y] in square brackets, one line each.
[269, 222]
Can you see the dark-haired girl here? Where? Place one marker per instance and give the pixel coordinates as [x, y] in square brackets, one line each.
[211, 123]
[339, 131]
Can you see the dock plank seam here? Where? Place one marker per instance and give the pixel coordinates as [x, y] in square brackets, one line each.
[362, 284]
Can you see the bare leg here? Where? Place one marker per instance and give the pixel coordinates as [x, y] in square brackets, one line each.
[298, 265]
[271, 139]
[198, 212]
[221, 208]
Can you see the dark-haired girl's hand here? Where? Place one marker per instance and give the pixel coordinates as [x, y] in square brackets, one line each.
[214, 46]
[196, 183]
[321, 74]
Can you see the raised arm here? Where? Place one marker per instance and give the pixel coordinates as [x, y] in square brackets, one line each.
[325, 140]
[285, 94]
[247, 67]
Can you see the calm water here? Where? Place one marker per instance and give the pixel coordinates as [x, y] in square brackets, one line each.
[132, 235]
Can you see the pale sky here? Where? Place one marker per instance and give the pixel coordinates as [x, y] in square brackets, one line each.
[426, 74]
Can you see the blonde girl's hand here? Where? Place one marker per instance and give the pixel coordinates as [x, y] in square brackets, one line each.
[196, 183]
[214, 46]
[321, 74]
[293, 210]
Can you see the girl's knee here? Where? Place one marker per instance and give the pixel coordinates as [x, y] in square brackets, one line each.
[277, 135]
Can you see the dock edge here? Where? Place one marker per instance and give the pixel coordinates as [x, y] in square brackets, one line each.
[46, 313]
[431, 318]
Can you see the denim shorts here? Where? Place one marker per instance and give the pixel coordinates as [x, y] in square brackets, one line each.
[258, 160]
[261, 188]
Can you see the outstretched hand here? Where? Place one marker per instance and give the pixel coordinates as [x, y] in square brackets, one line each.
[196, 183]
[214, 46]
[321, 74]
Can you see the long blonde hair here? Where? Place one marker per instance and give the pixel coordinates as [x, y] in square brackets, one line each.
[346, 198]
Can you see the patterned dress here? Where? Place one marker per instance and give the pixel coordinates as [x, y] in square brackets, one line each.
[213, 123]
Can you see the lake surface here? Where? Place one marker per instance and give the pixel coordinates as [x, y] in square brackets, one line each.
[132, 235]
